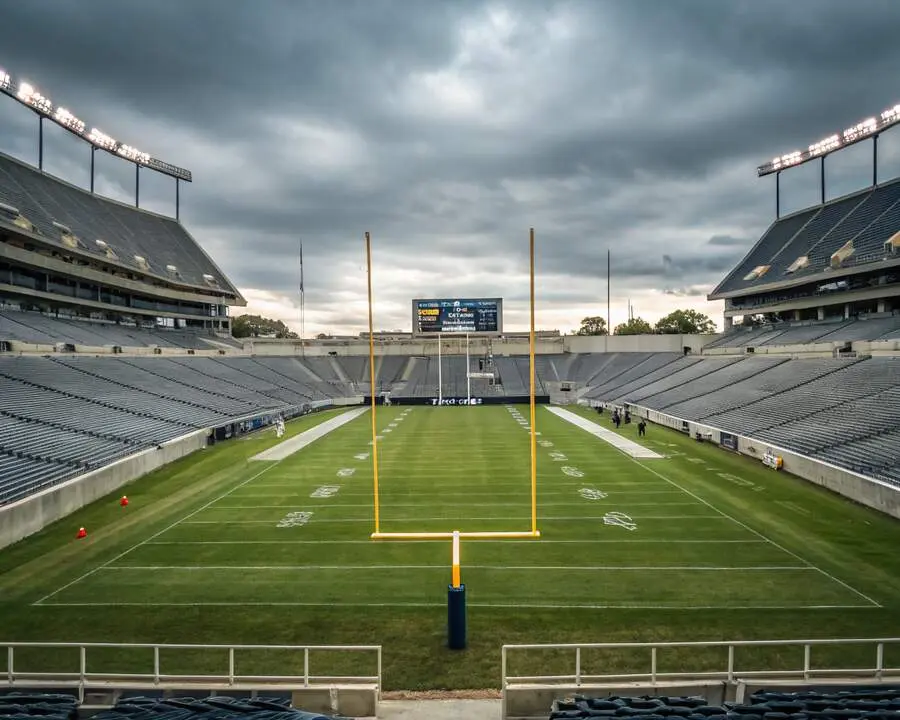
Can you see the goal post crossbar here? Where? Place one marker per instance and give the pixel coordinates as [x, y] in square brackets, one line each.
[449, 535]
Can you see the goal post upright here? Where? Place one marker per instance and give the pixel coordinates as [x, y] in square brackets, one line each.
[531, 374]
[372, 384]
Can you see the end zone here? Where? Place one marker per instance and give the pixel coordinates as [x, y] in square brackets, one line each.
[629, 447]
[298, 442]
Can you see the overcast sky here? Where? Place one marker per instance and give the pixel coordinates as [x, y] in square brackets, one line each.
[448, 128]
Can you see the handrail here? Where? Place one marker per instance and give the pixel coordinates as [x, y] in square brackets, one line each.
[83, 677]
[730, 672]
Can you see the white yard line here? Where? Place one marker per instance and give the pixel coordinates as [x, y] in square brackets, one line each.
[530, 606]
[323, 504]
[629, 447]
[568, 518]
[298, 442]
[443, 567]
[505, 541]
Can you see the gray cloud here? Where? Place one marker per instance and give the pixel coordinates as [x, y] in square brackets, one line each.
[448, 129]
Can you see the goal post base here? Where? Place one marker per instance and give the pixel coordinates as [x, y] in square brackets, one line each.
[449, 535]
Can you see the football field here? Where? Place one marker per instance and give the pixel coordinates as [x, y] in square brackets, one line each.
[693, 543]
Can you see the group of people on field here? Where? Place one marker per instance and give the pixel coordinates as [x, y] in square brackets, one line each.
[618, 419]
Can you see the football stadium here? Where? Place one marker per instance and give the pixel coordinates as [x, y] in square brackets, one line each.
[195, 524]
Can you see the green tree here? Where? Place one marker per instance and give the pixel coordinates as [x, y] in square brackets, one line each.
[685, 322]
[635, 326]
[255, 325]
[594, 325]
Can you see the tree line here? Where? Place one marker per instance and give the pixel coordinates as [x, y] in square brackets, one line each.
[679, 322]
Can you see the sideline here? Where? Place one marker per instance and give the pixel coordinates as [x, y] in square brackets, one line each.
[629, 447]
[298, 442]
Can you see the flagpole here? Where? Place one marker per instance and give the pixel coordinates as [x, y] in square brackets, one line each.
[302, 306]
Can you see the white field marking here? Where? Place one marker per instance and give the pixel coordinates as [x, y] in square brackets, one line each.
[467, 494]
[794, 506]
[387, 430]
[758, 534]
[546, 606]
[620, 519]
[443, 568]
[522, 504]
[301, 440]
[558, 456]
[326, 491]
[697, 461]
[453, 518]
[545, 443]
[572, 471]
[361, 456]
[392, 424]
[736, 480]
[629, 447]
[297, 518]
[186, 518]
[346, 472]
[593, 541]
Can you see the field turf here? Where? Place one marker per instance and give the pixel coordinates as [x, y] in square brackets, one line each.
[219, 548]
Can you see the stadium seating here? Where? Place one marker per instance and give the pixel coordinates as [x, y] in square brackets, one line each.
[63, 416]
[218, 707]
[822, 408]
[162, 241]
[869, 327]
[863, 703]
[22, 705]
[37, 328]
[867, 218]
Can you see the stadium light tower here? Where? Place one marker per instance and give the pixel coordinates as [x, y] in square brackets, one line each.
[870, 128]
[26, 94]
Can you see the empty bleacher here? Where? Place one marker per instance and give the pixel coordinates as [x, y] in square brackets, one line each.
[867, 327]
[821, 408]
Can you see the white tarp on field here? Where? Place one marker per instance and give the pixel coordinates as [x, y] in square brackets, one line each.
[629, 447]
[298, 442]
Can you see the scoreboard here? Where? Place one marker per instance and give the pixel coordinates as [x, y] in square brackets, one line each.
[457, 316]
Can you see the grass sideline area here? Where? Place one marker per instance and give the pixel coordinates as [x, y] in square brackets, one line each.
[708, 546]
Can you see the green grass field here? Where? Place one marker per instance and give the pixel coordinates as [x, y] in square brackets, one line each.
[211, 549]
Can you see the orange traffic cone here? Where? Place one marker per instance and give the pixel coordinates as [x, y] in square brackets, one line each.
[124, 501]
[82, 533]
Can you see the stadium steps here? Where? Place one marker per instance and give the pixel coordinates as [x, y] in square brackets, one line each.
[777, 398]
[279, 371]
[237, 390]
[656, 367]
[686, 374]
[260, 377]
[216, 390]
[145, 383]
[718, 379]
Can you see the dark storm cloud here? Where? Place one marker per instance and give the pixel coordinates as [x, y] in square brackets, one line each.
[449, 128]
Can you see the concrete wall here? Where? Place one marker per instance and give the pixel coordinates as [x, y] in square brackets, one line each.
[29, 515]
[859, 488]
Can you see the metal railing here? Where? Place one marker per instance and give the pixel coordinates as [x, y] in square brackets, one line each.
[731, 672]
[84, 678]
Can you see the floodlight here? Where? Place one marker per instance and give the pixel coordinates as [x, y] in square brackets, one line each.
[4, 80]
[28, 95]
[133, 154]
[869, 127]
[67, 119]
[102, 140]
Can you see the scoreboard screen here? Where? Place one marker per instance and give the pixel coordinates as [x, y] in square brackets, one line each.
[458, 316]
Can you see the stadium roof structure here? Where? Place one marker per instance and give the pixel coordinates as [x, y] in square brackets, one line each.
[26, 94]
[832, 239]
[72, 218]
